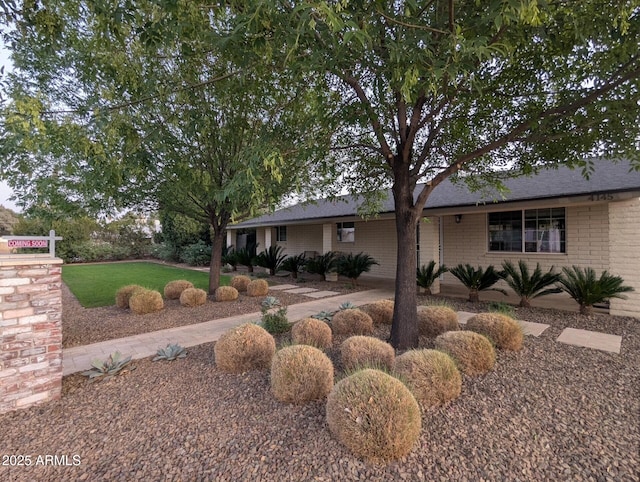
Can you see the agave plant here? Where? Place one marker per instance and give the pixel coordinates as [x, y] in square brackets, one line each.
[294, 265]
[324, 316]
[529, 286]
[352, 266]
[427, 274]
[477, 280]
[245, 257]
[170, 353]
[347, 305]
[584, 287]
[108, 368]
[323, 264]
[271, 258]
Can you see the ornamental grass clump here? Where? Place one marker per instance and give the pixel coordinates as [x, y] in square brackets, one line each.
[226, 293]
[374, 415]
[193, 297]
[431, 375]
[301, 373]
[503, 331]
[473, 353]
[311, 331]
[366, 351]
[243, 348]
[258, 287]
[436, 320]
[240, 282]
[124, 294]
[381, 311]
[173, 289]
[147, 301]
[352, 321]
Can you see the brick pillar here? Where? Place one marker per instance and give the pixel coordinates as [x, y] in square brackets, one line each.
[30, 331]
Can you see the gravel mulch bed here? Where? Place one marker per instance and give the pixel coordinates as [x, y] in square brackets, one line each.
[549, 412]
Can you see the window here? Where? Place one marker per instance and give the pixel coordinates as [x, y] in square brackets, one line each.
[346, 232]
[530, 231]
[281, 233]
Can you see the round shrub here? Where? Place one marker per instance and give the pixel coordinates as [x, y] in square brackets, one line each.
[374, 415]
[243, 348]
[193, 297]
[310, 331]
[431, 375]
[226, 293]
[301, 373]
[351, 321]
[472, 352]
[173, 289]
[124, 294]
[505, 332]
[436, 320]
[366, 351]
[381, 311]
[258, 287]
[147, 301]
[240, 282]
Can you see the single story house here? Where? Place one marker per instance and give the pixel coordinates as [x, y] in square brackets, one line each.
[556, 218]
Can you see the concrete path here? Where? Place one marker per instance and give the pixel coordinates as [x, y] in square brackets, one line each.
[591, 339]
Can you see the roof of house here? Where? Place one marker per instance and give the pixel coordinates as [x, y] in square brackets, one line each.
[608, 176]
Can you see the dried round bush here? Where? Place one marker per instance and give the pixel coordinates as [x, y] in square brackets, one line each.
[374, 415]
[226, 293]
[505, 332]
[243, 348]
[381, 311]
[366, 351]
[173, 289]
[240, 282]
[193, 297]
[258, 287]
[473, 353]
[124, 294]
[301, 373]
[310, 331]
[147, 301]
[436, 320]
[431, 375]
[352, 321]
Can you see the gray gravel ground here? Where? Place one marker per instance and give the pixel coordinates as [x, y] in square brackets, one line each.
[549, 412]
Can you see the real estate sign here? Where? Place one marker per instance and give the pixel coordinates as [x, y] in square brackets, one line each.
[28, 243]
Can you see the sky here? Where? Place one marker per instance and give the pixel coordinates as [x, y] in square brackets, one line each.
[5, 191]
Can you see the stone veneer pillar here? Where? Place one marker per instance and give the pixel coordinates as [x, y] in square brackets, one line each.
[30, 330]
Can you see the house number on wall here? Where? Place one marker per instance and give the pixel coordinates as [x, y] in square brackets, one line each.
[601, 197]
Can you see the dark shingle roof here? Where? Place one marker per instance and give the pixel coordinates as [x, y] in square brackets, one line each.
[608, 176]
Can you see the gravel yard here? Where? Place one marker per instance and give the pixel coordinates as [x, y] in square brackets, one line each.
[549, 412]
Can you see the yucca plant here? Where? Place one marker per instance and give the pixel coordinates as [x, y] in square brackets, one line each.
[323, 264]
[584, 287]
[294, 264]
[529, 286]
[271, 258]
[108, 368]
[245, 257]
[353, 265]
[477, 280]
[427, 274]
[170, 353]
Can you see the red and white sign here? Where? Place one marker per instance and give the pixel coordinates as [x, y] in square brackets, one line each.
[28, 243]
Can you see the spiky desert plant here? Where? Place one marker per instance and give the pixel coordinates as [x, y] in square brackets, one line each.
[326, 316]
[366, 351]
[323, 264]
[374, 415]
[503, 331]
[473, 353]
[431, 375]
[427, 274]
[147, 301]
[351, 322]
[311, 331]
[274, 320]
[529, 286]
[258, 287]
[193, 297]
[230, 257]
[477, 279]
[170, 353]
[243, 348]
[226, 293]
[381, 311]
[245, 257]
[437, 319]
[294, 265]
[271, 258]
[173, 289]
[301, 373]
[124, 294]
[111, 367]
[587, 289]
[354, 265]
[240, 282]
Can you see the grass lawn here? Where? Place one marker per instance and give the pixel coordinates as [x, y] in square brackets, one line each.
[96, 284]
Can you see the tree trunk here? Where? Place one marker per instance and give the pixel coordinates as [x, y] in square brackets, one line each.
[586, 309]
[216, 260]
[474, 295]
[524, 302]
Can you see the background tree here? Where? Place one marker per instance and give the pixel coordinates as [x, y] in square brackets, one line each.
[8, 219]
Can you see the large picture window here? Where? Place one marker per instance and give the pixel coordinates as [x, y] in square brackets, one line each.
[347, 232]
[530, 231]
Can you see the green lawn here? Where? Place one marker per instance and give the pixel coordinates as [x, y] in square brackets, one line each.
[96, 284]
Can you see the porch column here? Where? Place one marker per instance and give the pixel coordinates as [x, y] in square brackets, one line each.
[267, 238]
[327, 238]
[430, 246]
[230, 238]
